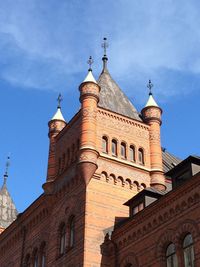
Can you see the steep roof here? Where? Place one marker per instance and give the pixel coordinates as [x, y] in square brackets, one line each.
[112, 97]
[169, 160]
[8, 211]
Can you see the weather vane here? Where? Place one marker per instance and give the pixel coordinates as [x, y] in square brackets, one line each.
[90, 62]
[104, 45]
[59, 99]
[6, 170]
[150, 85]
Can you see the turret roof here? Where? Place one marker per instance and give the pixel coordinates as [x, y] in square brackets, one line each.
[58, 115]
[90, 77]
[112, 97]
[8, 211]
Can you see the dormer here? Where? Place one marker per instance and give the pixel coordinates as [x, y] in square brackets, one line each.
[184, 170]
[143, 199]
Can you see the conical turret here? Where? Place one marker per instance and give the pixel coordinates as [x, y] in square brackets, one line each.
[56, 124]
[89, 97]
[151, 114]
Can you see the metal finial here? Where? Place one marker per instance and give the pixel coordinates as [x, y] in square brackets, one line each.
[150, 85]
[59, 99]
[6, 170]
[104, 45]
[90, 62]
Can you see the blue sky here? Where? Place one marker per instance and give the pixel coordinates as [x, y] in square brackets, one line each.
[44, 47]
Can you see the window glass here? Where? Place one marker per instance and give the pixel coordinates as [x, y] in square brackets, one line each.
[35, 260]
[104, 144]
[132, 153]
[171, 257]
[123, 150]
[188, 251]
[141, 156]
[114, 147]
[71, 232]
[62, 239]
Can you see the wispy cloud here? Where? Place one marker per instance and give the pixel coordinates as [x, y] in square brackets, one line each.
[44, 44]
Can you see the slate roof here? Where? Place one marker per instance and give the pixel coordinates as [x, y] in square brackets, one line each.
[8, 211]
[112, 97]
[169, 160]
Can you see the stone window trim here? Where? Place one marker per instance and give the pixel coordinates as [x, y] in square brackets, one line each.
[141, 156]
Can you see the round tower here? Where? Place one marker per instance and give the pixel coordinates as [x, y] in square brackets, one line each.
[56, 124]
[89, 97]
[151, 114]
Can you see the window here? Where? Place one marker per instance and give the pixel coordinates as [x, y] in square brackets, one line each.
[104, 144]
[132, 153]
[123, 150]
[71, 231]
[114, 147]
[62, 238]
[188, 251]
[137, 208]
[141, 156]
[43, 255]
[35, 259]
[28, 261]
[171, 257]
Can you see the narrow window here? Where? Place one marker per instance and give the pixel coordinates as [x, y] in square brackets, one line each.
[123, 150]
[141, 156]
[71, 232]
[28, 261]
[62, 238]
[132, 153]
[188, 250]
[171, 257]
[104, 144]
[43, 255]
[35, 259]
[114, 147]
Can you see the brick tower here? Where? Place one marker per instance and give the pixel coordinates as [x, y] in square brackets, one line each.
[102, 157]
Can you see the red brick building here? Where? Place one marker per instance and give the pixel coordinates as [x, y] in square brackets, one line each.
[106, 154]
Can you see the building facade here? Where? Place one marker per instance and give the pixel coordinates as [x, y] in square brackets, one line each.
[106, 154]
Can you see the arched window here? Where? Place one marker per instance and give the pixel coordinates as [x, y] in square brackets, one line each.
[171, 257]
[104, 144]
[43, 255]
[132, 153]
[62, 238]
[123, 150]
[27, 261]
[35, 259]
[71, 231]
[141, 156]
[114, 147]
[188, 250]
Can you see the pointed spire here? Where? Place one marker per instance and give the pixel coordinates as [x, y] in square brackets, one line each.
[104, 45]
[58, 115]
[151, 102]
[90, 77]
